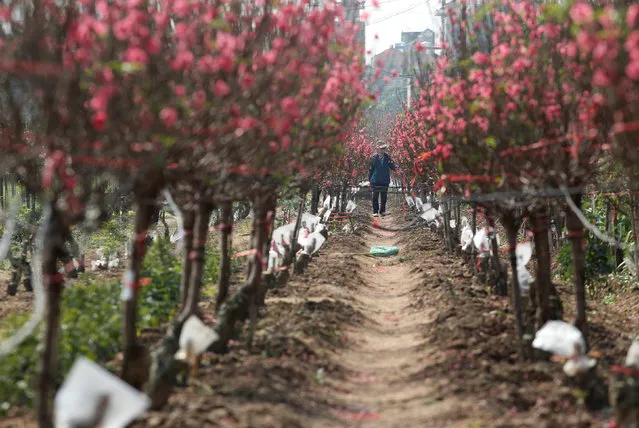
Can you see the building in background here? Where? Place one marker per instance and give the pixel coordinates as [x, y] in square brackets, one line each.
[402, 63]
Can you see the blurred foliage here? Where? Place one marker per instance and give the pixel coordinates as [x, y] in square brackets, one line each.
[91, 323]
[599, 256]
[111, 235]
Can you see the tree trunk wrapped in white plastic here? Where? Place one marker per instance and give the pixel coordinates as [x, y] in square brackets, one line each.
[524, 254]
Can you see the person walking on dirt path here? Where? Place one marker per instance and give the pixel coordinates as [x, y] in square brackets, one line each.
[379, 178]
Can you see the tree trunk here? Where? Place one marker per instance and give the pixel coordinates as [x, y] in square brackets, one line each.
[543, 278]
[258, 239]
[133, 370]
[290, 256]
[458, 225]
[236, 308]
[224, 279]
[344, 196]
[576, 235]
[446, 220]
[634, 207]
[188, 221]
[617, 250]
[473, 225]
[315, 198]
[200, 234]
[270, 206]
[162, 364]
[511, 230]
[501, 286]
[54, 283]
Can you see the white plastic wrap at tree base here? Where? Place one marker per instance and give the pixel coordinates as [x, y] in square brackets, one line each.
[429, 214]
[273, 261]
[452, 223]
[350, 206]
[305, 243]
[579, 365]
[311, 221]
[481, 241]
[419, 204]
[524, 253]
[318, 241]
[200, 337]
[302, 235]
[327, 202]
[10, 226]
[98, 265]
[178, 235]
[283, 234]
[127, 289]
[77, 400]
[466, 238]
[524, 278]
[632, 357]
[410, 201]
[560, 338]
[327, 215]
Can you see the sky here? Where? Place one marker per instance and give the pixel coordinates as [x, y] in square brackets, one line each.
[394, 16]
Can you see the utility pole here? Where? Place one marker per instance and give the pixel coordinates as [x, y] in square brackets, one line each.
[442, 14]
[352, 8]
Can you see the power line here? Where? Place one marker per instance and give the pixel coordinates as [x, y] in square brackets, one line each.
[398, 13]
[370, 5]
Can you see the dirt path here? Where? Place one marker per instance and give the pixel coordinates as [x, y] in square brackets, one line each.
[388, 349]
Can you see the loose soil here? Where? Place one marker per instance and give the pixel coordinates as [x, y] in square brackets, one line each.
[409, 340]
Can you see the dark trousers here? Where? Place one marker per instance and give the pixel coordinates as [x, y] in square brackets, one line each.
[377, 192]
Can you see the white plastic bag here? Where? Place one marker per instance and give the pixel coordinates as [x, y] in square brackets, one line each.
[78, 398]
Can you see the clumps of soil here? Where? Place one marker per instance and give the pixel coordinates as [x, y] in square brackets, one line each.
[321, 321]
[419, 240]
[283, 380]
[477, 351]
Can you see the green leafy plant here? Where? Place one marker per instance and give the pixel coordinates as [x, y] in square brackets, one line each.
[91, 324]
[610, 299]
[111, 236]
[598, 260]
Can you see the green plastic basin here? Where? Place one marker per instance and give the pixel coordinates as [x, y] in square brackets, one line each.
[382, 251]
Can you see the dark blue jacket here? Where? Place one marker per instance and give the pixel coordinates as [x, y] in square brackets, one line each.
[379, 171]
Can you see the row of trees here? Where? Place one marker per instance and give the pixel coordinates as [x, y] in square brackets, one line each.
[536, 103]
[532, 108]
[216, 101]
